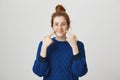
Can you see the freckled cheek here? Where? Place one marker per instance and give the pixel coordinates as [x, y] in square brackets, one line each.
[54, 29]
[65, 29]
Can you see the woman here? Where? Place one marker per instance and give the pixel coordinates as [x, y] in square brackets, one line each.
[61, 57]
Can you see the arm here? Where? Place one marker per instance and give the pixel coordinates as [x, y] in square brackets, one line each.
[79, 66]
[40, 66]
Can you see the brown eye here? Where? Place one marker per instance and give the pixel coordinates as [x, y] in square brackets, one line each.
[63, 24]
[56, 24]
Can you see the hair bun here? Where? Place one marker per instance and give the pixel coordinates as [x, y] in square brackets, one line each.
[60, 8]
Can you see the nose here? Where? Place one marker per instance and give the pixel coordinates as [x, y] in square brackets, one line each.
[60, 27]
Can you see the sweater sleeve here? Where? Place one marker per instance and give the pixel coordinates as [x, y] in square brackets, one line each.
[79, 66]
[40, 66]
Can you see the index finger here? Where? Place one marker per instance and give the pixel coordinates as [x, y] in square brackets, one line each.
[51, 34]
[68, 32]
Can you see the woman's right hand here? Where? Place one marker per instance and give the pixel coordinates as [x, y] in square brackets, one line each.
[47, 41]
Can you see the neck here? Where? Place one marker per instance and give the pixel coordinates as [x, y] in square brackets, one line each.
[61, 38]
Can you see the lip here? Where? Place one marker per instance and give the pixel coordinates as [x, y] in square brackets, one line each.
[60, 31]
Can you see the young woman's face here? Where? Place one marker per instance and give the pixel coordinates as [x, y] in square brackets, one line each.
[60, 26]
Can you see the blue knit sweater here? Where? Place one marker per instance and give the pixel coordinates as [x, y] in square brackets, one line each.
[60, 63]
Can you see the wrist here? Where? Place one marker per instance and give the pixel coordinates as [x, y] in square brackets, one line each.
[44, 47]
[43, 51]
[75, 54]
[74, 46]
[75, 50]
[43, 54]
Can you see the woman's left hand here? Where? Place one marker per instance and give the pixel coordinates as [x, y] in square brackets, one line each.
[71, 39]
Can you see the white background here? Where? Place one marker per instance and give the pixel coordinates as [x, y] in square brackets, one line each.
[23, 23]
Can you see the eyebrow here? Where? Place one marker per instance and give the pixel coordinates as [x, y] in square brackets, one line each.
[61, 22]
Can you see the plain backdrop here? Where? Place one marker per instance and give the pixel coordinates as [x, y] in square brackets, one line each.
[24, 23]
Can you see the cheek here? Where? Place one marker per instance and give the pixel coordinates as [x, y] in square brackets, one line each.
[66, 28]
[53, 28]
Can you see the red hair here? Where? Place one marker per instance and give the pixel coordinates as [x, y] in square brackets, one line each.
[60, 11]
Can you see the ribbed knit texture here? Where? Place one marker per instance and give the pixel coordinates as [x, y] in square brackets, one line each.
[60, 63]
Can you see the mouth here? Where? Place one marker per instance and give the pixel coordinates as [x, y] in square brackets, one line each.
[60, 31]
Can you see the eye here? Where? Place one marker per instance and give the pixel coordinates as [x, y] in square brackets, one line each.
[64, 24]
[56, 24]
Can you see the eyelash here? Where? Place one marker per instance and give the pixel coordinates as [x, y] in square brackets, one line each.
[62, 24]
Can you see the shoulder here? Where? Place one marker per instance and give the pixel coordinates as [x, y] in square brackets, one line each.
[40, 42]
[80, 43]
[53, 38]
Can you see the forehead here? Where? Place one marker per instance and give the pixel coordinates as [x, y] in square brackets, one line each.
[59, 19]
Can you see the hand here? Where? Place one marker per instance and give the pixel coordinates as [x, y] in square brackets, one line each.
[47, 41]
[71, 38]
